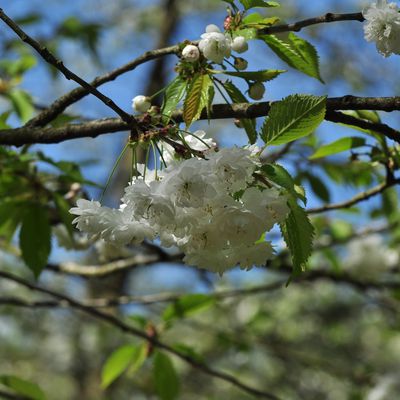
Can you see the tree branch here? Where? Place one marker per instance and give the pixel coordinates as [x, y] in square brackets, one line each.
[29, 135]
[298, 26]
[356, 199]
[122, 326]
[49, 57]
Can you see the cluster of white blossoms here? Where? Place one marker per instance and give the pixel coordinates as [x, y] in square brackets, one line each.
[383, 26]
[215, 46]
[211, 208]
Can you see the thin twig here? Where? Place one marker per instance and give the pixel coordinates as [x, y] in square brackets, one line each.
[326, 18]
[121, 325]
[49, 57]
[360, 197]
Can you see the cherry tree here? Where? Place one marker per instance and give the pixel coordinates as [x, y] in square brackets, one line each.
[192, 202]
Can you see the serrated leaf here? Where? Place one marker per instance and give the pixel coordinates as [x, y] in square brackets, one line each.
[237, 97]
[298, 234]
[196, 98]
[338, 146]
[119, 361]
[259, 76]
[166, 380]
[249, 33]
[256, 21]
[292, 118]
[25, 388]
[35, 237]
[277, 174]
[22, 103]
[211, 94]
[188, 305]
[247, 4]
[173, 95]
[296, 52]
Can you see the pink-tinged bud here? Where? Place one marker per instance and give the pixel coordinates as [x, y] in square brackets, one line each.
[141, 103]
[228, 22]
[190, 53]
[239, 44]
[256, 91]
[240, 63]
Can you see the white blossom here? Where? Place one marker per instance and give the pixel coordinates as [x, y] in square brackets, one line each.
[141, 103]
[214, 44]
[239, 44]
[210, 208]
[383, 27]
[191, 53]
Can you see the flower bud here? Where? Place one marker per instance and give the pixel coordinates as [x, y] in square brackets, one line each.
[141, 103]
[239, 44]
[227, 23]
[256, 91]
[190, 53]
[240, 63]
[212, 28]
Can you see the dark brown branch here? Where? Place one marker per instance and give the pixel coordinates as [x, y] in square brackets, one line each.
[128, 329]
[49, 57]
[28, 135]
[335, 116]
[326, 18]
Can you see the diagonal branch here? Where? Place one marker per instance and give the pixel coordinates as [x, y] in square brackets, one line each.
[49, 57]
[130, 330]
[360, 197]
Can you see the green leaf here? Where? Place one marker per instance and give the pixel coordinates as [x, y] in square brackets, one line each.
[256, 21]
[259, 76]
[298, 234]
[35, 237]
[238, 97]
[318, 187]
[292, 118]
[22, 103]
[15, 68]
[63, 208]
[3, 120]
[277, 174]
[196, 98]
[296, 52]
[247, 4]
[172, 96]
[118, 362]
[338, 146]
[187, 305]
[166, 381]
[10, 218]
[25, 388]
